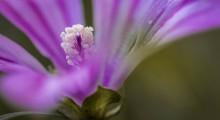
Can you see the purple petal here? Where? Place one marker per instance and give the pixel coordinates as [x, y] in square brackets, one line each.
[159, 20]
[39, 91]
[113, 17]
[32, 90]
[12, 56]
[82, 82]
[43, 21]
[196, 17]
[113, 22]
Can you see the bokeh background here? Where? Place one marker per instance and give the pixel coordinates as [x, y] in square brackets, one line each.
[179, 82]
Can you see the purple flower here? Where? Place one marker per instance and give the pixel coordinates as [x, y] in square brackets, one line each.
[125, 32]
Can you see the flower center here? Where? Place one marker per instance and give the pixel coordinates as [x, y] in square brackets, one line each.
[77, 43]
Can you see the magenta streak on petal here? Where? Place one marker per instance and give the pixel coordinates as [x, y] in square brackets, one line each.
[107, 33]
[71, 11]
[64, 10]
[67, 13]
[111, 67]
[169, 12]
[132, 11]
[44, 22]
[61, 59]
[6, 59]
[102, 16]
[18, 55]
[195, 23]
[198, 12]
[113, 15]
[109, 71]
[187, 17]
[152, 28]
[31, 31]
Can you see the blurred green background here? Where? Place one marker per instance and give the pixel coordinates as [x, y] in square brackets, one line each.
[179, 82]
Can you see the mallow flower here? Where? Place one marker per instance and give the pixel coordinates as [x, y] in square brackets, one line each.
[88, 57]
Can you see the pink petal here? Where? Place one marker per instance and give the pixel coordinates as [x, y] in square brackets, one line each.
[13, 54]
[32, 90]
[43, 21]
[117, 21]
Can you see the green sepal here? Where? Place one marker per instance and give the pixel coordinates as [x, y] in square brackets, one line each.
[102, 105]
[69, 109]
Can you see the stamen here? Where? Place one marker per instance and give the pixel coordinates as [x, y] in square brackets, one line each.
[77, 43]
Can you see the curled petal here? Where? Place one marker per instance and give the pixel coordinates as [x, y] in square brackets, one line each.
[43, 21]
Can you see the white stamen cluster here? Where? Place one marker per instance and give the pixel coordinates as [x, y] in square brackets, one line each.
[77, 50]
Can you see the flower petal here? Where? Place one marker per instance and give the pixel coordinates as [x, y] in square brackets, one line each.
[36, 90]
[129, 27]
[115, 21]
[12, 56]
[82, 82]
[43, 21]
[196, 17]
[30, 89]
[39, 91]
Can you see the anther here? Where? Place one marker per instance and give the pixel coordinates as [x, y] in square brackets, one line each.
[77, 43]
